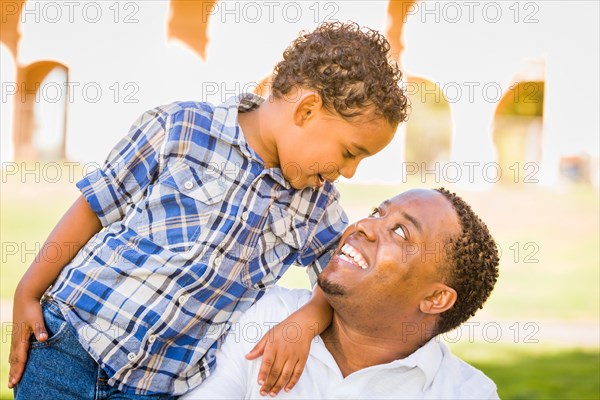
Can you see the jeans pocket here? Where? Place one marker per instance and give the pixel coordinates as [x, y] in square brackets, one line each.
[56, 326]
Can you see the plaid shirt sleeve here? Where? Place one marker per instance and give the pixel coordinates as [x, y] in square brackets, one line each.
[130, 167]
[319, 251]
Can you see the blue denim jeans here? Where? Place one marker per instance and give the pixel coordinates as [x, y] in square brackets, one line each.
[60, 368]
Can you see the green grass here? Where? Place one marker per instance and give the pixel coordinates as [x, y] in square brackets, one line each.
[24, 227]
[5, 393]
[521, 372]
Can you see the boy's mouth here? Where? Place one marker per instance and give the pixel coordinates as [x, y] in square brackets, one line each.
[320, 180]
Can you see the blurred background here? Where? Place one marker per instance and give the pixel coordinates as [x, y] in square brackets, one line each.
[505, 99]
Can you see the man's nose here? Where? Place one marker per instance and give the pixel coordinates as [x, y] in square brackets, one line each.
[367, 227]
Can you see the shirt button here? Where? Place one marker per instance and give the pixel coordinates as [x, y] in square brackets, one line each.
[131, 356]
[188, 185]
[151, 338]
[245, 215]
[182, 299]
[218, 261]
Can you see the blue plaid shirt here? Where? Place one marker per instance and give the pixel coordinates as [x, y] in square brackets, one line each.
[196, 230]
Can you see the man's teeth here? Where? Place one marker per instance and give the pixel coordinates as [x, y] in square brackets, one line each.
[351, 255]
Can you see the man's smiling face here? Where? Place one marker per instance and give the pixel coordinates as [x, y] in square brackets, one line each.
[394, 256]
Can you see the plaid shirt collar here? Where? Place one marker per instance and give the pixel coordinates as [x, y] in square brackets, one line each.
[230, 131]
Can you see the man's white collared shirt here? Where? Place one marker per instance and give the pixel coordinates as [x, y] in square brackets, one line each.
[431, 372]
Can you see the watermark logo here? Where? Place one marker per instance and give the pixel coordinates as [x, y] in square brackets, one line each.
[469, 171]
[71, 92]
[54, 12]
[491, 12]
[270, 11]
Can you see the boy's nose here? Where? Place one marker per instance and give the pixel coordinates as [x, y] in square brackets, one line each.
[348, 170]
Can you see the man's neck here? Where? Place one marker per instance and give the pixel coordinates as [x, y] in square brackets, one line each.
[258, 133]
[356, 349]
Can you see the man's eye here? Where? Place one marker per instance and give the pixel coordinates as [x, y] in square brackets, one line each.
[400, 231]
[375, 213]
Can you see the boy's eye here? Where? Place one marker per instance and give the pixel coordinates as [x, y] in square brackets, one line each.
[400, 231]
[349, 155]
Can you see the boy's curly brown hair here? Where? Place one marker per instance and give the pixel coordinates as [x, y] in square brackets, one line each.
[471, 265]
[351, 69]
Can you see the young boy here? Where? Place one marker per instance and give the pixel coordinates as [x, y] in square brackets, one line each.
[195, 214]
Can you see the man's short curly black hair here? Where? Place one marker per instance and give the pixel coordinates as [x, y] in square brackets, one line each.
[471, 265]
[351, 69]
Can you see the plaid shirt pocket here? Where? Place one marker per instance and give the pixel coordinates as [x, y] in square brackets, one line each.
[180, 203]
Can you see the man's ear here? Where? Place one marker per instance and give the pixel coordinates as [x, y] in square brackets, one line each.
[440, 299]
[307, 105]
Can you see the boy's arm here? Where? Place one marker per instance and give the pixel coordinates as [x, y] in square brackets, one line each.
[71, 233]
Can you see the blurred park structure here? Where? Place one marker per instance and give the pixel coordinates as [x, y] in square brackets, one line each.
[505, 99]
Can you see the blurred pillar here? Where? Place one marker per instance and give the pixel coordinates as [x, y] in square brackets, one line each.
[518, 127]
[10, 33]
[398, 11]
[188, 22]
[429, 128]
[8, 77]
[29, 80]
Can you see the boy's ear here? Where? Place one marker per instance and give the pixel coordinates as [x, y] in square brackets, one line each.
[440, 299]
[307, 105]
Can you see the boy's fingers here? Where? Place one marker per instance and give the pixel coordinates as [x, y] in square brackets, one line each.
[295, 376]
[271, 378]
[39, 330]
[265, 368]
[286, 374]
[17, 360]
[257, 350]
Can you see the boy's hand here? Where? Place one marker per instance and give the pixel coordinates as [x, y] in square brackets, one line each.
[27, 319]
[284, 358]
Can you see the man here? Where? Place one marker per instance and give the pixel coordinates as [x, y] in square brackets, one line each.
[420, 265]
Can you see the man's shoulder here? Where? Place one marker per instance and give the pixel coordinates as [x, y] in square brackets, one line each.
[284, 299]
[277, 304]
[469, 381]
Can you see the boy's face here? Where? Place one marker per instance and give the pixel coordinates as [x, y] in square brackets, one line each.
[322, 146]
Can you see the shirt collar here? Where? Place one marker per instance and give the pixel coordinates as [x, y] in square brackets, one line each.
[225, 121]
[428, 358]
